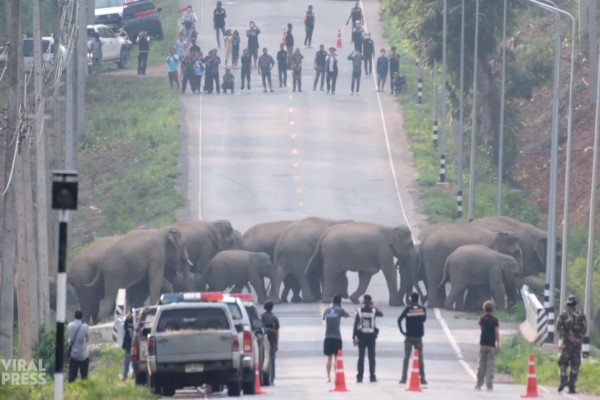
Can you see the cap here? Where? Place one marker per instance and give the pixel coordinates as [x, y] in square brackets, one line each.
[571, 301]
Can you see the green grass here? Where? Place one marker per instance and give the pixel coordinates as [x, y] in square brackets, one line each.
[102, 383]
[517, 314]
[169, 16]
[513, 360]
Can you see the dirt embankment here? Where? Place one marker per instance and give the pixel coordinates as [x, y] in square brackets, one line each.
[532, 167]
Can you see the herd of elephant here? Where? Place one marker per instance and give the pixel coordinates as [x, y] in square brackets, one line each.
[488, 258]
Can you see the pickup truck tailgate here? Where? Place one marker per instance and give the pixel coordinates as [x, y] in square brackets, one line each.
[185, 346]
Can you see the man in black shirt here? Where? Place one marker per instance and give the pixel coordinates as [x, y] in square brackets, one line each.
[394, 64]
[127, 340]
[356, 14]
[368, 53]
[289, 43]
[357, 36]
[320, 58]
[246, 61]
[271, 327]
[282, 65]
[364, 336]
[309, 25]
[489, 346]
[415, 315]
[219, 16]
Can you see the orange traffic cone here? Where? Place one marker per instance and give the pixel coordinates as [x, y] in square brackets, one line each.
[257, 385]
[340, 377]
[532, 390]
[339, 39]
[414, 384]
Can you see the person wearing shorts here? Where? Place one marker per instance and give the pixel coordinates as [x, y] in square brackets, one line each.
[333, 337]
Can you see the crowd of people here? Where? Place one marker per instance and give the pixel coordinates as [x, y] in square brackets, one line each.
[187, 63]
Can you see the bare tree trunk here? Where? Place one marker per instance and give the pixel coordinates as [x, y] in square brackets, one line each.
[9, 230]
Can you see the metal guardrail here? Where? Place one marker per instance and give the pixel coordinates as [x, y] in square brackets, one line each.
[535, 326]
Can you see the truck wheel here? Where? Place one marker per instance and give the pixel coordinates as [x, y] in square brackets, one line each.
[234, 389]
[122, 63]
[168, 391]
[140, 379]
[156, 389]
[249, 387]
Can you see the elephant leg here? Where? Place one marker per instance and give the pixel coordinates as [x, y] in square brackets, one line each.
[391, 278]
[154, 285]
[238, 288]
[451, 298]
[364, 278]
[258, 284]
[328, 288]
[280, 276]
[497, 290]
[460, 300]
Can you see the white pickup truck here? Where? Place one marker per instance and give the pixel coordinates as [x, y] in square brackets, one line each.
[191, 344]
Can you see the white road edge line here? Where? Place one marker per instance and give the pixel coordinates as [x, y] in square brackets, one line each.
[450, 337]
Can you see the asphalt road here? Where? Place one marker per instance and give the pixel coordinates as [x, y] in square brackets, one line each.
[256, 157]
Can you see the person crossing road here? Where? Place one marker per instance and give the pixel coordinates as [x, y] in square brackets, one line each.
[571, 327]
[364, 336]
[333, 337]
[265, 65]
[320, 64]
[368, 53]
[282, 65]
[415, 316]
[219, 16]
[309, 26]
[331, 66]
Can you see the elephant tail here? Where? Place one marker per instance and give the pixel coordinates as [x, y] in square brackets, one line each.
[97, 279]
[315, 263]
[445, 274]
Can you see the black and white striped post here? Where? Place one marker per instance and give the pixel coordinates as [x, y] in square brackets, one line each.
[550, 313]
[459, 203]
[64, 199]
[420, 91]
[442, 168]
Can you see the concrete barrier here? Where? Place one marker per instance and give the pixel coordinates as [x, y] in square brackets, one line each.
[101, 333]
[535, 326]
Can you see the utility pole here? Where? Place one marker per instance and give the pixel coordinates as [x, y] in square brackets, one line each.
[41, 172]
[444, 96]
[9, 230]
[82, 62]
[472, 172]
[592, 35]
[461, 115]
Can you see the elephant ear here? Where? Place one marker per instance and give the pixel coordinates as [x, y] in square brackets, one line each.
[400, 239]
[221, 234]
[507, 242]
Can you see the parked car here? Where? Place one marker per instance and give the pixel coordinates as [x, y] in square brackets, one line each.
[142, 16]
[115, 48]
[108, 12]
[191, 344]
[48, 56]
[142, 324]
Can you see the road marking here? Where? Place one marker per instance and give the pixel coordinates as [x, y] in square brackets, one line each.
[450, 337]
[295, 151]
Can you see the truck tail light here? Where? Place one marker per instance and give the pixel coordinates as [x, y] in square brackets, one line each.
[247, 342]
[135, 355]
[151, 346]
[235, 343]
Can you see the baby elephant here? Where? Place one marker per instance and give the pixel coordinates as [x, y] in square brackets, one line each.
[473, 265]
[237, 268]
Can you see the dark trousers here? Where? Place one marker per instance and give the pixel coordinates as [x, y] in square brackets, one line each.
[208, 82]
[227, 86]
[392, 72]
[78, 366]
[282, 69]
[366, 343]
[222, 30]
[196, 83]
[245, 76]
[187, 78]
[309, 33]
[355, 79]
[409, 343]
[320, 72]
[142, 61]
[290, 53]
[215, 78]
[368, 65]
[297, 79]
[266, 76]
[358, 45]
[331, 79]
[272, 354]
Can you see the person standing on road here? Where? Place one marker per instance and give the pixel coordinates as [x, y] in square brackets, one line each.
[309, 26]
[489, 343]
[252, 35]
[198, 72]
[571, 327]
[228, 46]
[289, 44]
[356, 14]
[189, 73]
[266, 64]
[382, 68]
[172, 67]
[282, 65]
[246, 68]
[297, 69]
[235, 49]
[271, 327]
[415, 316]
[211, 81]
[79, 356]
[331, 64]
[188, 22]
[228, 81]
[181, 47]
[368, 53]
[219, 16]
[394, 65]
[320, 64]
[357, 36]
[356, 59]
[143, 42]
[364, 336]
[333, 337]
[127, 339]
[96, 51]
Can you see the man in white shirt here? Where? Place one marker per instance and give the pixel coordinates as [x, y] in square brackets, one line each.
[79, 357]
[331, 64]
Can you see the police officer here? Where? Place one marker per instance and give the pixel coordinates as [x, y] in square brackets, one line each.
[219, 16]
[368, 53]
[364, 336]
[356, 14]
[571, 327]
[282, 65]
[320, 64]
[415, 316]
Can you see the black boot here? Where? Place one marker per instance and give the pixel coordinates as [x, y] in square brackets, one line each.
[572, 380]
[563, 383]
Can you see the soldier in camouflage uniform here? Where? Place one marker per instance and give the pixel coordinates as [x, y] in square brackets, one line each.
[571, 327]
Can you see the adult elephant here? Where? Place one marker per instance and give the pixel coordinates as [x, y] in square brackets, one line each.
[444, 239]
[475, 264]
[152, 254]
[262, 238]
[83, 269]
[237, 268]
[366, 248]
[533, 242]
[293, 250]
